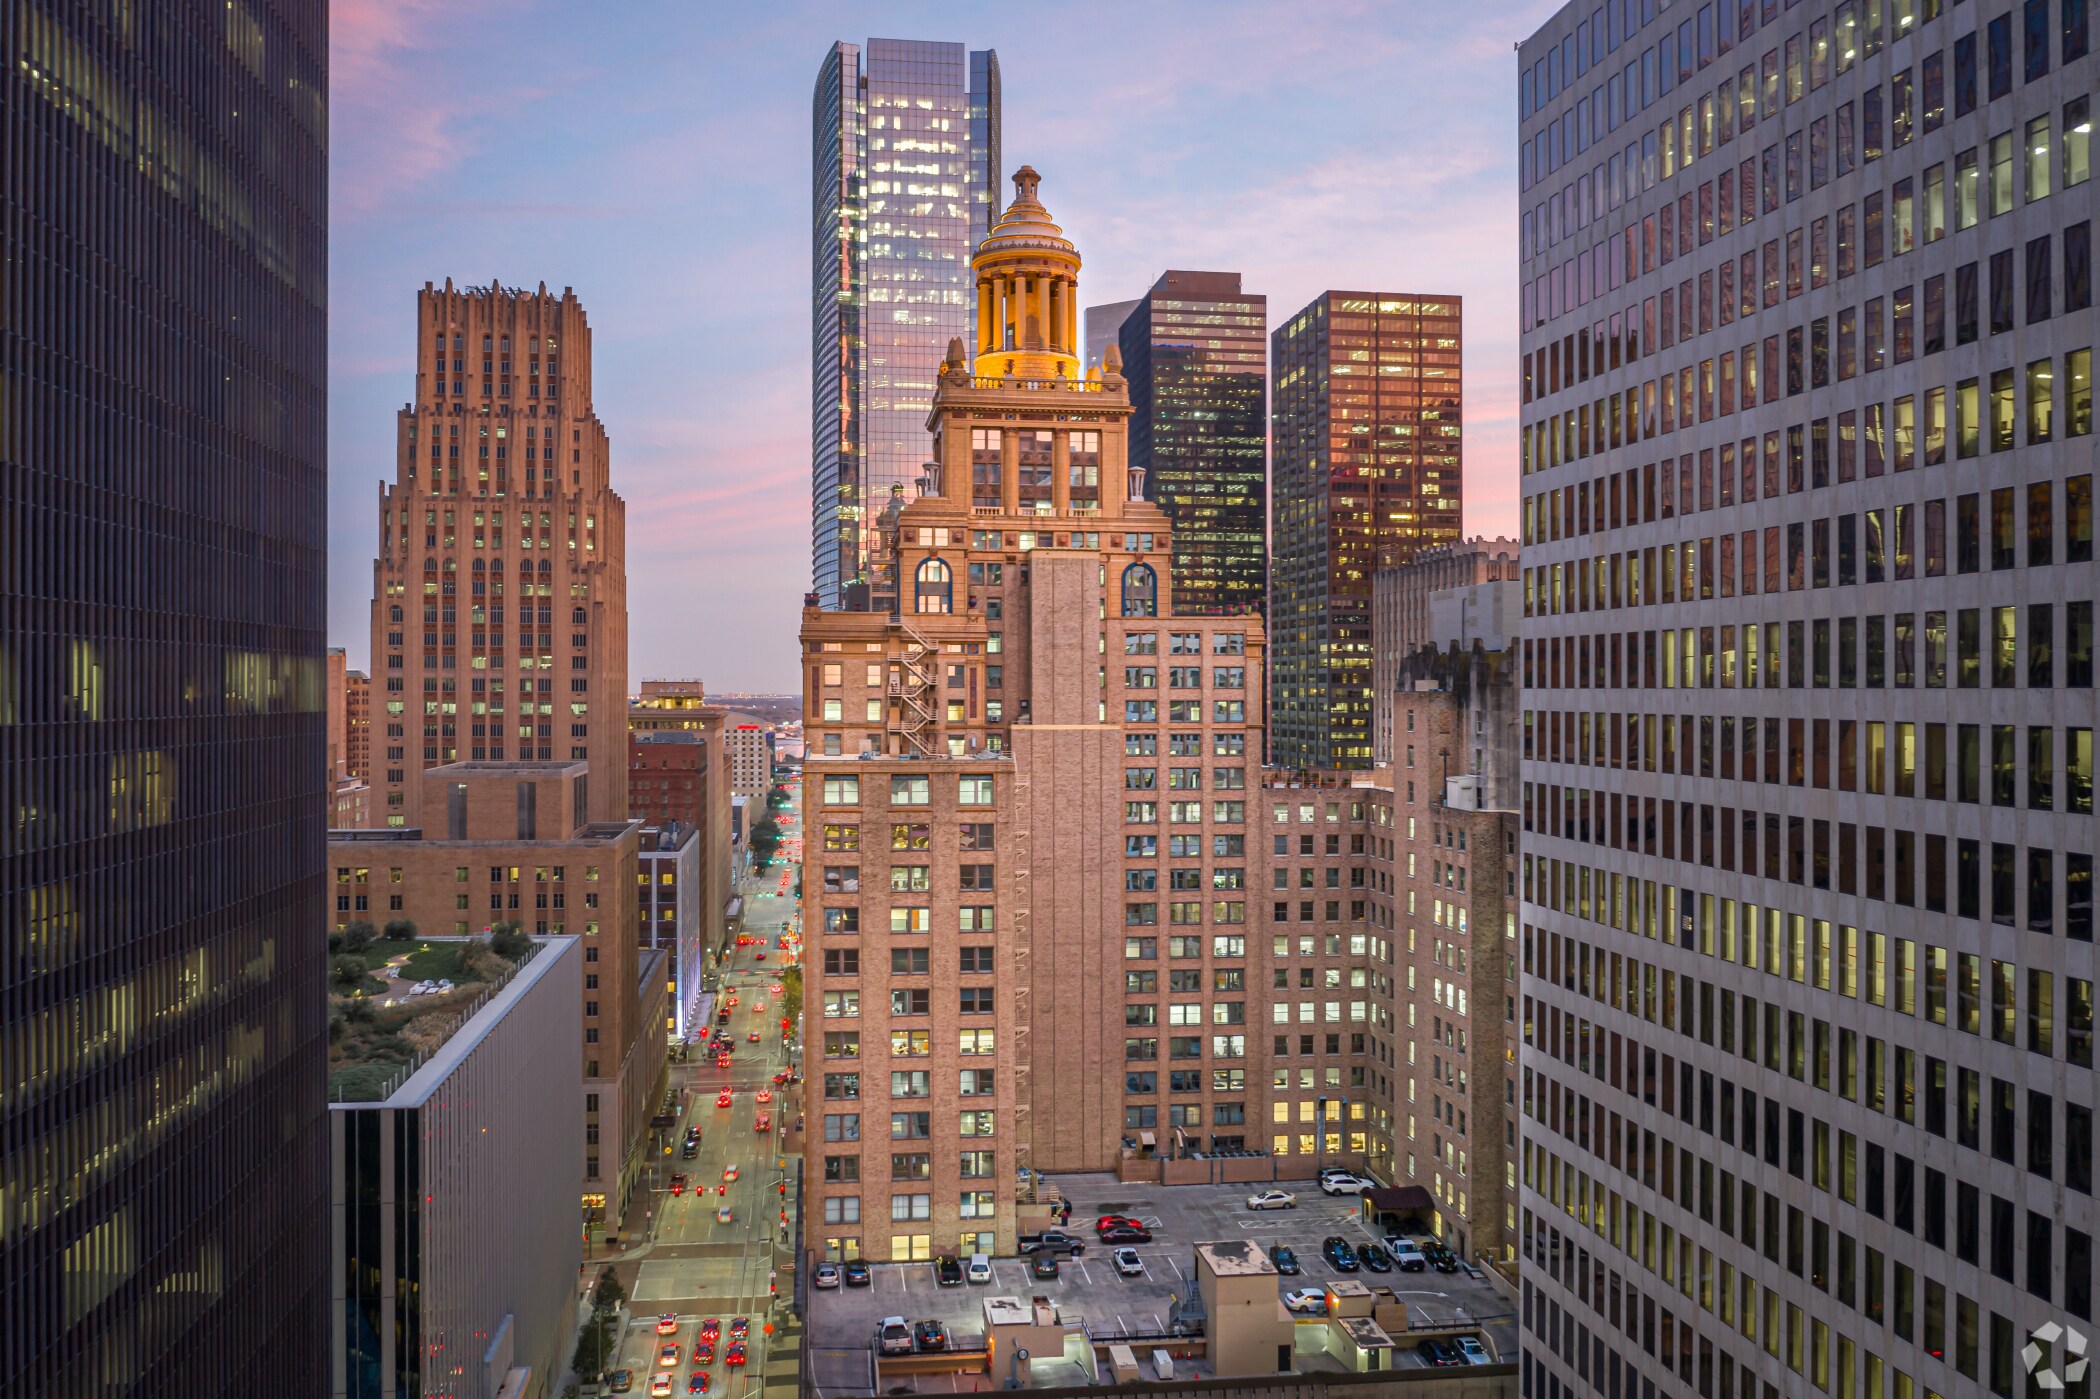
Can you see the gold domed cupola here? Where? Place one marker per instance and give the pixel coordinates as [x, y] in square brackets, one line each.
[1027, 292]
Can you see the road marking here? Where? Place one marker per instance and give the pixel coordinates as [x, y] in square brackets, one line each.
[1175, 1266]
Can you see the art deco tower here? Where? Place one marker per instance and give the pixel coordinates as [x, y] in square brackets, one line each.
[499, 597]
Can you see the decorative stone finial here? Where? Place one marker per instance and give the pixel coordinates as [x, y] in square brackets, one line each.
[956, 354]
[1025, 182]
[1112, 359]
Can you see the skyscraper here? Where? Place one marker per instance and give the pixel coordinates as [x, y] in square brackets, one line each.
[1366, 449]
[1195, 353]
[163, 768]
[987, 814]
[499, 597]
[905, 169]
[1807, 553]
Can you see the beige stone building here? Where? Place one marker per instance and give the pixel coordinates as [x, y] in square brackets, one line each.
[499, 597]
[349, 743]
[513, 842]
[1403, 619]
[1027, 870]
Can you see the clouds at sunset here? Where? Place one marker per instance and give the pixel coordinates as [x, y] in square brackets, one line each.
[655, 156]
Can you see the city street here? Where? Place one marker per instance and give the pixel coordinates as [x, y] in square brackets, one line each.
[696, 1264]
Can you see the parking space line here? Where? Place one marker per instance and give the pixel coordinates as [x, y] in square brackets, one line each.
[1178, 1274]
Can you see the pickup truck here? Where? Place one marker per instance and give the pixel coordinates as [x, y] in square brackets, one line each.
[1051, 1241]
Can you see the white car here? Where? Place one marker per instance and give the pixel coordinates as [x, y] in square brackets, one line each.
[893, 1336]
[1407, 1255]
[1474, 1352]
[1272, 1200]
[1128, 1263]
[1306, 1299]
[1346, 1184]
[827, 1275]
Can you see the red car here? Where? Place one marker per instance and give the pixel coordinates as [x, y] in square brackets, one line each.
[677, 1188]
[753, 1037]
[735, 1354]
[704, 1351]
[1116, 1221]
[711, 1329]
[724, 1098]
[698, 1383]
[740, 1328]
[761, 957]
[764, 1123]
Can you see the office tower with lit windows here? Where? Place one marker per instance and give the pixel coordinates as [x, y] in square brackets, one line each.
[1365, 415]
[163, 743]
[499, 597]
[1195, 353]
[1807, 464]
[1019, 852]
[906, 161]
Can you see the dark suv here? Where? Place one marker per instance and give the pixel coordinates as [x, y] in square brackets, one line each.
[947, 1272]
[1335, 1249]
[1286, 1261]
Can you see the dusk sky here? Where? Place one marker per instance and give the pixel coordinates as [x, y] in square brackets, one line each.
[655, 156]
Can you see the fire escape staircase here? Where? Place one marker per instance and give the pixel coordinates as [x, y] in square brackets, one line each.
[915, 686]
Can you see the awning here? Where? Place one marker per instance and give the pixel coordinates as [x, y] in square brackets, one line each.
[1401, 1199]
[1145, 1139]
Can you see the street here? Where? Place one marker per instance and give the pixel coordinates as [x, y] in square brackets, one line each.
[697, 1265]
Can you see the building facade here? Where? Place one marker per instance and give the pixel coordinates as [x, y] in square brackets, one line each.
[670, 896]
[435, 1291]
[1103, 327]
[1807, 473]
[906, 136]
[668, 707]
[668, 776]
[990, 804]
[514, 843]
[349, 743]
[163, 502]
[1403, 621]
[750, 745]
[1195, 354]
[1366, 417]
[499, 596]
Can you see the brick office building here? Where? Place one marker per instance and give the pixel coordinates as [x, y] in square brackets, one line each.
[499, 597]
[513, 843]
[1026, 871]
[676, 713]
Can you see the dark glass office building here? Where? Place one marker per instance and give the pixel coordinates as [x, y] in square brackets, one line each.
[1195, 351]
[1368, 472]
[163, 794]
[905, 167]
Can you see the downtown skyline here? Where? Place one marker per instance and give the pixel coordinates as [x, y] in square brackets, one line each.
[694, 194]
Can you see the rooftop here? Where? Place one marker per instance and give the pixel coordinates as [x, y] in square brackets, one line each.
[390, 1043]
[1236, 1258]
[516, 769]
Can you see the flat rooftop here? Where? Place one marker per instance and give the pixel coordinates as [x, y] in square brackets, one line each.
[1236, 1258]
[486, 767]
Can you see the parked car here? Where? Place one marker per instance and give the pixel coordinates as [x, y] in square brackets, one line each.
[1051, 1241]
[1306, 1299]
[620, 1381]
[947, 1272]
[1346, 1184]
[1374, 1257]
[1285, 1260]
[1272, 1200]
[1473, 1352]
[928, 1336]
[893, 1336]
[1128, 1263]
[1116, 1221]
[1407, 1257]
[1043, 1265]
[827, 1275]
[1335, 1249]
[1438, 1353]
[980, 1269]
[1127, 1234]
[1440, 1257]
[856, 1274]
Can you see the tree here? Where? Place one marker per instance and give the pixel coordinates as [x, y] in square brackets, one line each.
[608, 1295]
[765, 839]
[508, 941]
[357, 937]
[594, 1346]
[347, 973]
[401, 929]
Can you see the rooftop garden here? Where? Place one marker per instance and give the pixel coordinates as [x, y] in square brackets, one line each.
[389, 1004]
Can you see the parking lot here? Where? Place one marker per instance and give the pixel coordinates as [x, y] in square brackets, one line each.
[1179, 1217]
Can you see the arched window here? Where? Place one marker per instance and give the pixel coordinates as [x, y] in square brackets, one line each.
[1140, 591]
[936, 588]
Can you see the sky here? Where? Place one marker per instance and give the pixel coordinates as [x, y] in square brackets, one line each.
[655, 156]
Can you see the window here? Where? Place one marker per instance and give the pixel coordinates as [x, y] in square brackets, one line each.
[1140, 591]
[842, 791]
[975, 790]
[935, 588]
[976, 1000]
[910, 791]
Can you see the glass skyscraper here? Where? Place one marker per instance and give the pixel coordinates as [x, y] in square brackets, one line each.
[1195, 352]
[906, 157]
[1366, 473]
[163, 774]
